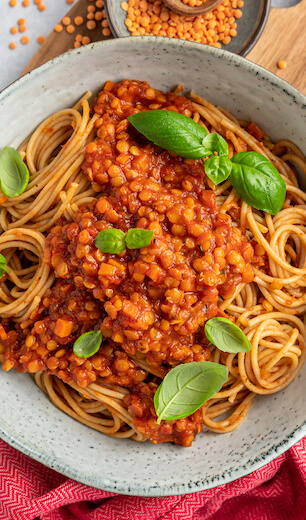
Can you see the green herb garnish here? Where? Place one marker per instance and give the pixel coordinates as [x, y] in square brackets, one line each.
[258, 182]
[88, 344]
[138, 238]
[14, 174]
[189, 385]
[253, 176]
[3, 266]
[115, 241]
[111, 241]
[172, 131]
[186, 388]
[216, 143]
[218, 169]
[227, 336]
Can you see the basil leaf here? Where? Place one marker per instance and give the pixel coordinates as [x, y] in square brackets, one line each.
[14, 175]
[258, 182]
[138, 238]
[227, 336]
[216, 143]
[3, 266]
[186, 388]
[88, 344]
[111, 241]
[172, 131]
[217, 168]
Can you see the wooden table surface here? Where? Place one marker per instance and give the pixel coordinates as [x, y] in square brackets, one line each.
[282, 39]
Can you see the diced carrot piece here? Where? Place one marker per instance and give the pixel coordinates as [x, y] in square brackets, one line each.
[3, 334]
[107, 270]
[63, 328]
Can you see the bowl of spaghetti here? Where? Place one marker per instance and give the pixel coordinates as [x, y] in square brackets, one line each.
[152, 266]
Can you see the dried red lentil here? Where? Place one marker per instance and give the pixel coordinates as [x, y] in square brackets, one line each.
[70, 28]
[78, 20]
[91, 25]
[194, 3]
[66, 20]
[41, 39]
[85, 40]
[214, 28]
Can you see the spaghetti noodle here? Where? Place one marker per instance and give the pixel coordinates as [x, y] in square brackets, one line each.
[90, 171]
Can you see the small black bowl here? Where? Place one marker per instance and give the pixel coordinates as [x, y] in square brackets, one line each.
[249, 26]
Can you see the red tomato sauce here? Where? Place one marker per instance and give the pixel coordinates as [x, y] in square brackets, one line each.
[149, 303]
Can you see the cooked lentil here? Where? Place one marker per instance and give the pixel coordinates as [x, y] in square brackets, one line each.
[150, 303]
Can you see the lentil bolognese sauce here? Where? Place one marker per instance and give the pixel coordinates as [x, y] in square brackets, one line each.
[211, 255]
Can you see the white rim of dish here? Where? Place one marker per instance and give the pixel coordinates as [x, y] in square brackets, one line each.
[251, 465]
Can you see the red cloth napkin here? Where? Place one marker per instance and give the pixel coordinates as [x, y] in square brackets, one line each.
[29, 490]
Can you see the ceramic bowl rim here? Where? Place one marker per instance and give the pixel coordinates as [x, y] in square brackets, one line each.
[274, 451]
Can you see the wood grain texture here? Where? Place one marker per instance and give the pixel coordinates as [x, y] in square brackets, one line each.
[283, 39]
[57, 43]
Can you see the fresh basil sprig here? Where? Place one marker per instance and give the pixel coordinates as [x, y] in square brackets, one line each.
[253, 176]
[182, 135]
[115, 241]
[138, 238]
[88, 344]
[172, 131]
[3, 266]
[227, 336]
[186, 388]
[218, 169]
[216, 143]
[258, 182]
[14, 174]
[111, 241]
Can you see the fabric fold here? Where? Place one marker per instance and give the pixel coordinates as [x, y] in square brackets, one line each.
[31, 491]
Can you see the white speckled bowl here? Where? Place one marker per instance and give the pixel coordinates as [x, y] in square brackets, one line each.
[28, 421]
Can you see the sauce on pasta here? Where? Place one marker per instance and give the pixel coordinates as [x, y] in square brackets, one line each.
[212, 255]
